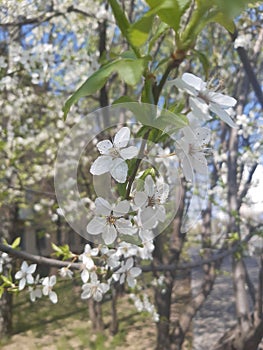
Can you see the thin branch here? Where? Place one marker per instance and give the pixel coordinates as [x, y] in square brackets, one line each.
[169, 267]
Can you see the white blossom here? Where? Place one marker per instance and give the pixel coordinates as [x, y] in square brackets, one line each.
[114, 155]
[4, 258]
[48, 284]
[202, 100]
[87, 261]
[191, 151]
[111, 220]
[94, 288]
[127, 271]
[65, 272]
[25, 275]
[150, 202]
[35, 291]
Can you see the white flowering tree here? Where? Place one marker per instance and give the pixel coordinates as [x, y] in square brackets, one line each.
[165, 120]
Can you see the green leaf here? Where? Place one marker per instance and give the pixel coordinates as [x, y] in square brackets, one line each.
[123, 99]
[120, 17]
[16, 243]
[225, 22]
[122, 22]
[169, 122]
[130, 70]
[140, 30]
[232, 8]
[170, 11]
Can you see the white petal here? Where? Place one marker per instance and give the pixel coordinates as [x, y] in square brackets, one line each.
[53, 280]
[140, 199]
[129, 152]
[223, 101]
[88, 262]
[45, 290]
[222, 114]
[53, 297]
[97, 295]
[149, 186]
[45, 282]
[104, 287]
[125, 227]
[85, 275]
[148, 218]
[24, 266]
[135, 271]
[119, 170]
[160, 213]
[104, 146]
[96, 225]
[189, 134]
[121, 208]
[102, 206]
[131, 281]
[182, 85]
[199, 163]
[129, 264]
[122, 137]
[19, 275]
[31, 268]
[86, 294]
[187, 169]
[101, 165]
[203, 136]
[22, 284]
[29, 279]
[194, 81]
[146, 235]
[199, 108]
[109, 234]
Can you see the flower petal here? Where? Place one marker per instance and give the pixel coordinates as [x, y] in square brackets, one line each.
[121, 208]
[160, 213]
[125, 227]
[199, 163]
[148, 218]
[53, 297]
[187, 169]
[101, 165]
[199, 108]
[222, 114]
[222, 100]
[149, 186]
[140, 199]
[31, 268]
[119, 170]
[22, 284]
[104, 146]
[103, 207]
[96, 225]
[193, 81]
[129, 152]
[109, 234]
[203, 136]
[122, 137]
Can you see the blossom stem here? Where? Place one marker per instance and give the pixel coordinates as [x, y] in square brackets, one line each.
[137, 164]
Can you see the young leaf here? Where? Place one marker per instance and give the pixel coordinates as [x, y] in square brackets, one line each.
[170, 11]
[130, 71]
[120, 18]
[16, 243]
[140, 30]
